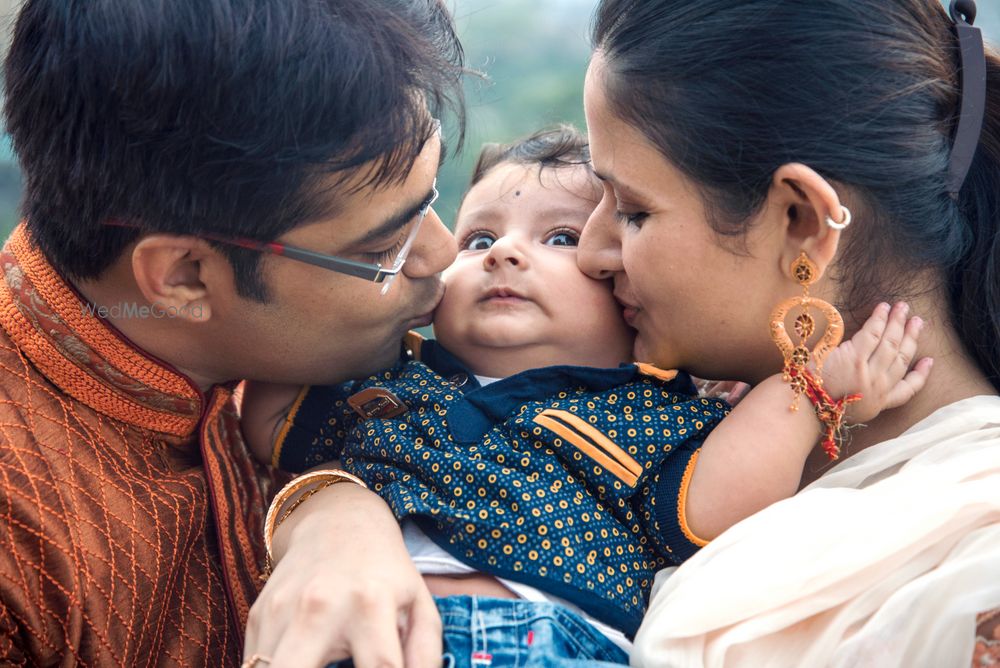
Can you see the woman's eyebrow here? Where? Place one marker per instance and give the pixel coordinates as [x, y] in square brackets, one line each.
[609, 179]
[630, 192]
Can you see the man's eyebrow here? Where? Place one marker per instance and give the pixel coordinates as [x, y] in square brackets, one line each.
[402, 217]
[394, 222]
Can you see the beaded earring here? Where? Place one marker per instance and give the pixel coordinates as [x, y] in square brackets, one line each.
[798, 356]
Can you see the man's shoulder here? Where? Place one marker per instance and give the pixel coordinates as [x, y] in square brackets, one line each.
[23, 389]
[32, 410]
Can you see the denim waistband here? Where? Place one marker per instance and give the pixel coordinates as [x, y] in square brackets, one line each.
[480, 632]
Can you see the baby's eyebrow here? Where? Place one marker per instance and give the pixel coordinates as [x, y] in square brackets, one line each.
[562, 213]
[481, 216]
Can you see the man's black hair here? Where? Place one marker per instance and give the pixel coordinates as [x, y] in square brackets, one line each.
[217, 116]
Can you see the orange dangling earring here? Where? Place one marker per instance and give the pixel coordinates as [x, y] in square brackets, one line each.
[798, 356]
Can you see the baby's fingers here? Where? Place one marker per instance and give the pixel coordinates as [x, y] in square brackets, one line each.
[887, 352]
[907, 349]
[867, 338]
[910, 384]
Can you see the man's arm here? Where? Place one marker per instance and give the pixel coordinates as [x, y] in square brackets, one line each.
[343, 585]
[11, 653]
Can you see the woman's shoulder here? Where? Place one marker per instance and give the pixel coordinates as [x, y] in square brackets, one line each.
[964, 431]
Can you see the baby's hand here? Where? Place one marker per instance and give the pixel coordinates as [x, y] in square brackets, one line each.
[876, 363]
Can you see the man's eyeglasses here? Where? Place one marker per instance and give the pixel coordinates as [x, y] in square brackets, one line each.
[368, 271]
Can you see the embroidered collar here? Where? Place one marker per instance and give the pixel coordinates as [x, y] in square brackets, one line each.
[84, 355]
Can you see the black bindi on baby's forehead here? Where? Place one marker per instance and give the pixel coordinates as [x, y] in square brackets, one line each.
[517, 193]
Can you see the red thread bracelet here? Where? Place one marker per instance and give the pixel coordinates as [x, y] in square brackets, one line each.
[829, 411]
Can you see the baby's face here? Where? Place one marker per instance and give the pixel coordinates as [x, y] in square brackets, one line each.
[515, 297]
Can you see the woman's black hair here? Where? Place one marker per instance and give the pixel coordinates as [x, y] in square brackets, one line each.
[219, 116]
[866, 92]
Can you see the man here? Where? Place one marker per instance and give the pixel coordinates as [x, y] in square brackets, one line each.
[165, 146]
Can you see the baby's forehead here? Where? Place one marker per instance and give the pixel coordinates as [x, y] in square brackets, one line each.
[541, 194]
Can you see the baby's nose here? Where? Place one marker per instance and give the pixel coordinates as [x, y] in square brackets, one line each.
[505, 251]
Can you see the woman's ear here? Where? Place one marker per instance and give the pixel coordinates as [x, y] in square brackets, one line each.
[168, 271]
[806, 201]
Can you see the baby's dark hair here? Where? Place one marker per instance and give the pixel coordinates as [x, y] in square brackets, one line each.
[559, 146]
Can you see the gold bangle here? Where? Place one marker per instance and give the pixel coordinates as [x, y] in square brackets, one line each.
[297, 502]
[320, 480]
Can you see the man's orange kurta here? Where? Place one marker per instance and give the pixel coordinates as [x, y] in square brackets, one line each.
[130, 510]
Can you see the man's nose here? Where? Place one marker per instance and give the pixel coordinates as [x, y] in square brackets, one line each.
[433, 250]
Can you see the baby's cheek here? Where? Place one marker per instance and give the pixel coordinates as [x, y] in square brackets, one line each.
[449, 273]
[449, 318]
[607, 324]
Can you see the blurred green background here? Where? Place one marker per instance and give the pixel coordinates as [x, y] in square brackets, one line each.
[533, 53]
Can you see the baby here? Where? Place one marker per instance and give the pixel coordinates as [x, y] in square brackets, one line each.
[523, 443]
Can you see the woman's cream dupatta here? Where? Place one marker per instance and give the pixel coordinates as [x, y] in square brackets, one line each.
[884, 561]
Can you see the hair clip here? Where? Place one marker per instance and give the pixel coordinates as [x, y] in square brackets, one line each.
[972, 59]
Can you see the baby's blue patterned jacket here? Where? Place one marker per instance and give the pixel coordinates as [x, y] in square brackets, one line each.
[570, 479]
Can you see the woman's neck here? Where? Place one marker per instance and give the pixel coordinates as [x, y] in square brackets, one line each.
[955, 376]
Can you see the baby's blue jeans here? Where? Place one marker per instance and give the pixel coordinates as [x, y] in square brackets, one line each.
[514, 633]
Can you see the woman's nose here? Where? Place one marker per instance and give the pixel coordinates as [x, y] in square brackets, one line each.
[506, 251]
[599, 253]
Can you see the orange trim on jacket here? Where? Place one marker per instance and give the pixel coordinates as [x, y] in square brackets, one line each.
[682, 503]
[592, 443]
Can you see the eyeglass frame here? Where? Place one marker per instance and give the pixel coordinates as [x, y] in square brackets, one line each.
[373, 272]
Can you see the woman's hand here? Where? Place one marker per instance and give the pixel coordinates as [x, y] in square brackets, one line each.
[343, 586]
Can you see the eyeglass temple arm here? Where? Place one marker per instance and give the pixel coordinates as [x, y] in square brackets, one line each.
[374, 273]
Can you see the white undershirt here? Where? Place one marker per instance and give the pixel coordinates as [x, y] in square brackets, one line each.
[431, 559]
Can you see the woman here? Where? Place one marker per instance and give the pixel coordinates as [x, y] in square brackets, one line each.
[733, 135]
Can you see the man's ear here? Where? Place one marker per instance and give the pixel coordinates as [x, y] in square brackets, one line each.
[805, 200]
[169, 271]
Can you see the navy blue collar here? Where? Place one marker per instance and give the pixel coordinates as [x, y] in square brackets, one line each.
[482, 407]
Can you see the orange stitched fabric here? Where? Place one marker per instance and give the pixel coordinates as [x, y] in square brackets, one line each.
[987, 648]
[131, 511]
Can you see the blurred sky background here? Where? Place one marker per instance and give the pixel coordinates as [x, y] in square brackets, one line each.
[533, 52]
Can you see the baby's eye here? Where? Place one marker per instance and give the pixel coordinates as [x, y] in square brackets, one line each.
[563, 238]
[478, 241]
